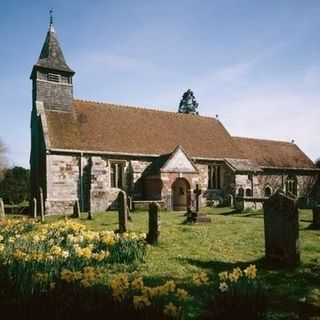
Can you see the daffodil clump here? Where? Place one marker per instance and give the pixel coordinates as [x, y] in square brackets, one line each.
[28, 248]
[229, 280]
[130, 288]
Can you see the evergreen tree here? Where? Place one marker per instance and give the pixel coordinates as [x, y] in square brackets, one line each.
[188, 103]
[15, 187]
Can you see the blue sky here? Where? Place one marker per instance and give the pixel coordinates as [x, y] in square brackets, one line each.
[254, 63]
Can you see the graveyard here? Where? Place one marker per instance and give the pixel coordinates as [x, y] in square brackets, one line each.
[185, 253]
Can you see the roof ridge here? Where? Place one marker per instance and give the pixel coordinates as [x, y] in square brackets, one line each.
[150, 109]
[262, 139]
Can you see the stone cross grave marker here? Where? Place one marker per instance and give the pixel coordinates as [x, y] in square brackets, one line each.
[123, 212]
[316, 217]
[281, 228]
[154, 223]
[2, 211]
[197, 193]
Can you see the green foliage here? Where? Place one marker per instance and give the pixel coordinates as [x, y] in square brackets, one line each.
[15, 186]
[188, 103]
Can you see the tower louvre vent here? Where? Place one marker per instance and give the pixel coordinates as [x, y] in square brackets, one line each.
[53, 77]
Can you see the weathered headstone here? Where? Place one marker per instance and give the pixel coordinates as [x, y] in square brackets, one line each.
[154, 223]
[34, 208]
[281, 228]
[130, 203]
[90, 215]
[76, 210]
[41, 204]
[316, 217]
[231, 200]
[123, 212]
[2, 211]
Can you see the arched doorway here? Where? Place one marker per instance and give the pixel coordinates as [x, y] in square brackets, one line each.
[180, 194]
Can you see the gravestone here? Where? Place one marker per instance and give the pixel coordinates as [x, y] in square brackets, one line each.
[196, 216]
[2, 211]
[231, 200]
[76, 210]
[316, 217]
[123, 212]
[41, 204]
[34, 208]
[281, 228]
[197, 193]
[154, 223]
[130, 204]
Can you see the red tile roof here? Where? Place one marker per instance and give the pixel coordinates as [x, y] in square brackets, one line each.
[104, 127]
[271, 153]
[107, 127]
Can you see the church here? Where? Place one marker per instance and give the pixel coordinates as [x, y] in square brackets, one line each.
[86, 152]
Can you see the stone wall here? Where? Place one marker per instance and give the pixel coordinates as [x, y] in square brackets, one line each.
[87, 179]
[62, 183]
[138, 167]
[249, 183]
[102, 196]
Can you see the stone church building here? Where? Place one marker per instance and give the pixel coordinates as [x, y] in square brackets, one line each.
[87, 151]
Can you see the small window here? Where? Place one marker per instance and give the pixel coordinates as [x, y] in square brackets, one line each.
[267, 191]
[240, 192]
[291, 185]
[214, 177]
[116, 174]
[53, 77]
[248, 192]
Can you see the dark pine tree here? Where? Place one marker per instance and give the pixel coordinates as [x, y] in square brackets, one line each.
[15, 188]
[188, 103]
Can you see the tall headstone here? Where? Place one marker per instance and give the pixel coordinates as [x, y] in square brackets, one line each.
[2, 211]
[130, 203]
[281, 228]
[316, 217]
[76, 209]
[123, 212]
[231, 200]
[34, 208]
[41, 204]
[154, 223]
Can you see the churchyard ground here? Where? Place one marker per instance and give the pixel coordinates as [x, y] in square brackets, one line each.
[231, 240]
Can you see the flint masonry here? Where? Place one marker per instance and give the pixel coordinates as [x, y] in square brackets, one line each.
[89, 151]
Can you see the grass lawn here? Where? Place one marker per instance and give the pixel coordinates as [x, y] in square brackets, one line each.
[232, 239]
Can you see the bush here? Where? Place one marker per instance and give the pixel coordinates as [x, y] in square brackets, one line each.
[15, 186]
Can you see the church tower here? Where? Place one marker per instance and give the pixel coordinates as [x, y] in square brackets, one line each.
[51, 76]
[52, 90]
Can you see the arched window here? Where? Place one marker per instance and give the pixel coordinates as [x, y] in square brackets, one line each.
[291, 185]
[248, 192]
[267, 191]
[240, 192]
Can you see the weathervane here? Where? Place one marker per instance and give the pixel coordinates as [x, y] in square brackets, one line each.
[51, 20]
